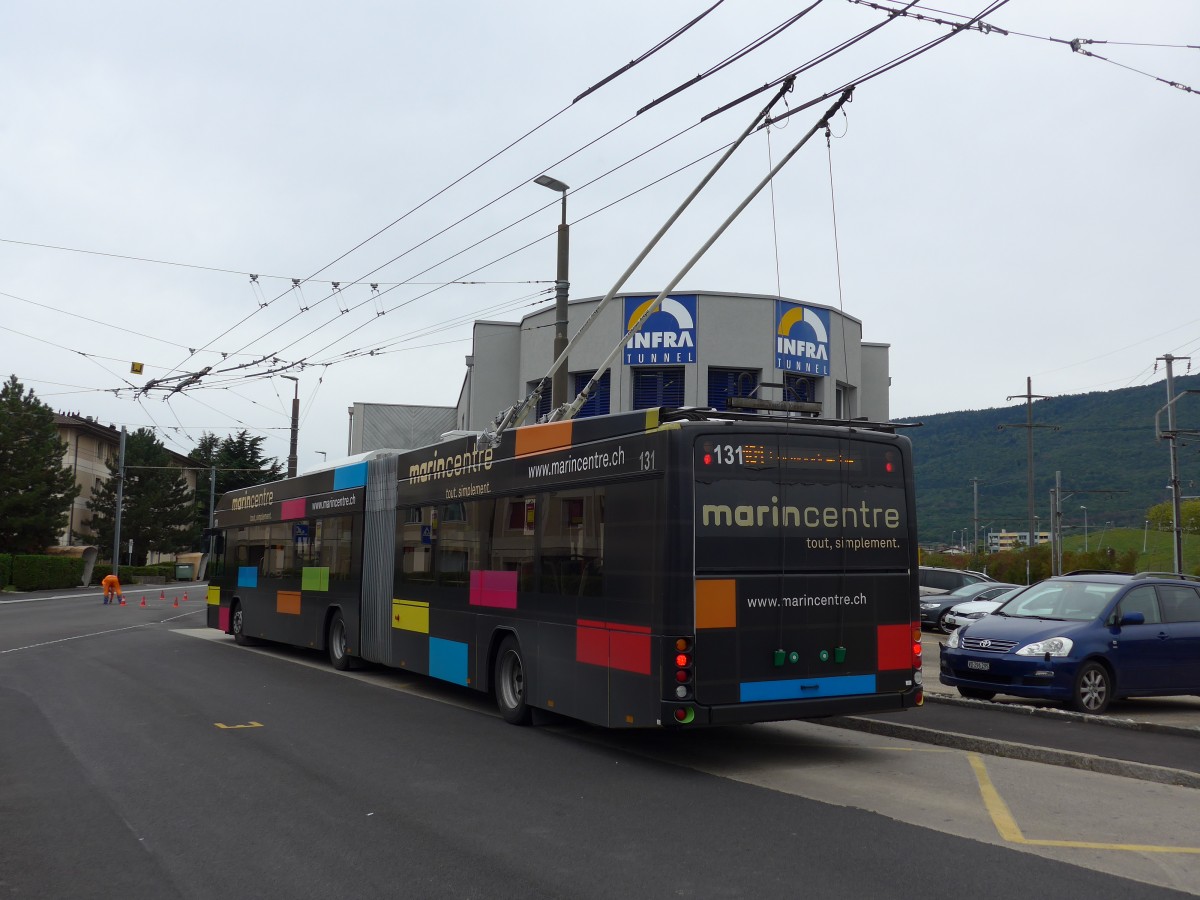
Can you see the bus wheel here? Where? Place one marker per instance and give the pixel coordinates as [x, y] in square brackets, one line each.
[338, 657]
[509, 683]
[237, 626]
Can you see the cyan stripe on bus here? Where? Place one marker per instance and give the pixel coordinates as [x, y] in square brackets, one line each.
[247, 576]
[803, 688]
[350, 476]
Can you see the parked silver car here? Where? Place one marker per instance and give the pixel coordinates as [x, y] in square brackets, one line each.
[935, 608]
[965, 613]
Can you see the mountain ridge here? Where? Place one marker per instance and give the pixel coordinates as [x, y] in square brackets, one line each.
[1103, 444]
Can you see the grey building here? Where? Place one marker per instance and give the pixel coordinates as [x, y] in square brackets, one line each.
[700, 349]
[380, 426]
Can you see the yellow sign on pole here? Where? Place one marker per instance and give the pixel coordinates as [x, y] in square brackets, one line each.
[135, 368]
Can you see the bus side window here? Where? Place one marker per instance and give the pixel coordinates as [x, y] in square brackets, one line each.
[513, 529]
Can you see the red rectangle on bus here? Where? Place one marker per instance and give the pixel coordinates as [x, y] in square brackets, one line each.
[615, 646]
[895, 647]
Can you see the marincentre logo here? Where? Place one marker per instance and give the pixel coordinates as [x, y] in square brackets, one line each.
[801, 339]
[667, 336]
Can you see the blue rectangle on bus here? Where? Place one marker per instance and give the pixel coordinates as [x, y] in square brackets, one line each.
[448, 660]
[350, 476]
[247, 576]
[803, 688]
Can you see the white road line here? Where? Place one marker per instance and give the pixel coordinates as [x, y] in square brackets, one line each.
[98, 633]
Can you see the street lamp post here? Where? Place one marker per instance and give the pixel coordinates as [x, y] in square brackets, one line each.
[1145, 535]
[558, 384]
[1085, 539]
[291, 472]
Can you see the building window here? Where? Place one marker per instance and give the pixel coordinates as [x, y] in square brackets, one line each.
[598, 403]
[543, 407]
[657, 387]
[726, 383]
[799, 389]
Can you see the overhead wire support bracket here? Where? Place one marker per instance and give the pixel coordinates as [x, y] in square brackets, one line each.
[518, 412]
[581, 398]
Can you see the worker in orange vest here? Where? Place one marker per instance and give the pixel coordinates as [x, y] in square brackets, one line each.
[112, 589]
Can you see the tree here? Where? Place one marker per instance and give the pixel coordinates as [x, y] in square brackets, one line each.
[36, 490]
[1161, 516]
[157, 504]
[239, 462]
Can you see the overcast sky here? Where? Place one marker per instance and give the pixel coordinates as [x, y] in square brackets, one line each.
[1005, 207]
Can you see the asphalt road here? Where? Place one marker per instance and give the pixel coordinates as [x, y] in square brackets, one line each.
[144, 756]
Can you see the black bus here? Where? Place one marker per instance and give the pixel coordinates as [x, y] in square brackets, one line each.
[656, 568]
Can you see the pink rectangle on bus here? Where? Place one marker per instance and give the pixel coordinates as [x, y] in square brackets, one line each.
[293, 509]
[495, 589]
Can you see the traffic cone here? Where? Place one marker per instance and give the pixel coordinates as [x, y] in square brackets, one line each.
[185, 596]
[162, 595]
[176, 603]
[122, 599]
[143, 599]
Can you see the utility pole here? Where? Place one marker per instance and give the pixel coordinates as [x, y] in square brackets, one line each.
[292, 461]
[1029, 396]
[116, 556]
[975, 521]
[1176, 524]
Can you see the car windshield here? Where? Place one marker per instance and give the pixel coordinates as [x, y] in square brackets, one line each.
[1060, 600]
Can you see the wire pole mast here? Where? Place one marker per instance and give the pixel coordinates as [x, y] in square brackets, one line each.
[517, 412]
[1029, 396]
[582, 397]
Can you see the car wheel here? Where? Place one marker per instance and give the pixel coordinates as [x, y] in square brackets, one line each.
[336, 642]
[943, 624]
[1093, 689]
[976, 694]
[510, 684]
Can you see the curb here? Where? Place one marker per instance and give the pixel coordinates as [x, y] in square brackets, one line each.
[1085, 761]
[1065, 715]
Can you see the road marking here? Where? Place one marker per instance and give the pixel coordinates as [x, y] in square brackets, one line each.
[76, 637]
[251, 724]
[1007, 826]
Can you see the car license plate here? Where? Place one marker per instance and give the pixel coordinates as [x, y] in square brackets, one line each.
[976, 664]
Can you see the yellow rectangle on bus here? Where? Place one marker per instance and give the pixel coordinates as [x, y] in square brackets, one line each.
[410, 615]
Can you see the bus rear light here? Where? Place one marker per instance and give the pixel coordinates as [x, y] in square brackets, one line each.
[684, 715]
[682, 692]
[916, 632]
[682, 644]
[682, 660]
[682, 676]
[916, 651]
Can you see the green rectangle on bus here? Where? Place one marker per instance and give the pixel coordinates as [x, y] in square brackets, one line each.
[315, 578]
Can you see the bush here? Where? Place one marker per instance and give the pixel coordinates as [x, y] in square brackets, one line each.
[128, 573]
[43, 573]
[5, 570]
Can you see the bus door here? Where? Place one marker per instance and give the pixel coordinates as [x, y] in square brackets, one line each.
[803, 553]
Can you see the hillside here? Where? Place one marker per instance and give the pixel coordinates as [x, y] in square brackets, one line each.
[1104, 443]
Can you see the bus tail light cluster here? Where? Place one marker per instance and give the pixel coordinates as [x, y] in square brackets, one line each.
[683, 660]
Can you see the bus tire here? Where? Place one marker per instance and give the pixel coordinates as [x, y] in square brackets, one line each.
[509, 683]
[237, 627]
[336, 643]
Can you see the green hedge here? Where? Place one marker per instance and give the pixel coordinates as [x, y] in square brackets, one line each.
[5, 570]
[43, 573]
[127, 573]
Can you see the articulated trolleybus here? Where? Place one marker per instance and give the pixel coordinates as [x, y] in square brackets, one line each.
[656, 568]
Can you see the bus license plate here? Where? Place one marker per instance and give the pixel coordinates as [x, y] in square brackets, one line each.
[976, 664]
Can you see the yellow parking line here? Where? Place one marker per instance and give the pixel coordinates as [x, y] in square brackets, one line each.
[1003, 819]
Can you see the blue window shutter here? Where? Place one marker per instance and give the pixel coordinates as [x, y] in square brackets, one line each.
[543, 407]
[798, 388]
[598, 403]
[658, 387]
[726, 383]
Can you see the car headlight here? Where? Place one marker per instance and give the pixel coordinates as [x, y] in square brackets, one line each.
[1055, 646]
[952, 641]
[930, 605]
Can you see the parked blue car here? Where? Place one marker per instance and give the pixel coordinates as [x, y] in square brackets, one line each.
[1084, 639]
